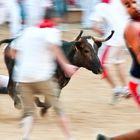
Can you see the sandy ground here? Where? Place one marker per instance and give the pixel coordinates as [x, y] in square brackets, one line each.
[86, 101]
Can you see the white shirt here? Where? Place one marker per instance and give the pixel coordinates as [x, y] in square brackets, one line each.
[34, 61]
[114, 19]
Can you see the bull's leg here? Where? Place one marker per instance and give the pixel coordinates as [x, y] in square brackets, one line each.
[39, 103]
[17, 102]
[44, 110]
[11, 88]
[14, 95]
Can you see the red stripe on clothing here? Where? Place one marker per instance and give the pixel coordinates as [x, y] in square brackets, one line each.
[103, 60]
[133, 89]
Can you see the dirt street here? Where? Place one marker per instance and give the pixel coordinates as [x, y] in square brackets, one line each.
[86, 101]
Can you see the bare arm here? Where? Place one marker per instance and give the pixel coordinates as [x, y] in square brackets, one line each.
[132, 34]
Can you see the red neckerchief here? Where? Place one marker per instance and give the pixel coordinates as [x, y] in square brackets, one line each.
[47, 23]
[106, 1]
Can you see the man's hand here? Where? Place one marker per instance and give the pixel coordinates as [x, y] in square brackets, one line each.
[69, 70]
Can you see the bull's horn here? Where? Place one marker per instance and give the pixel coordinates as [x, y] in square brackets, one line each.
[104, 39]
[79, 36]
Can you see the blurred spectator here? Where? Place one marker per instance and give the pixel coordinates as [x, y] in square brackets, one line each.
[22, 12]
[3, 12]
[77, 2]
[14, 17]
[132, 39]
[25, 13]
[107, 17]
[35, 11]
[70, 2]
[87, 8]
[60, 13]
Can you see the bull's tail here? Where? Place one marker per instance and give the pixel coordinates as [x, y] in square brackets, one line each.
[7, 41]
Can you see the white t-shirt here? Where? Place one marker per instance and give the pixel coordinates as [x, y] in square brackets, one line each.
[114, 19]
[4, 80]
[34, 61]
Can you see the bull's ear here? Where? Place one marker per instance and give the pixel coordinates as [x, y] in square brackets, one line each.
[99, 44]
[78, 45]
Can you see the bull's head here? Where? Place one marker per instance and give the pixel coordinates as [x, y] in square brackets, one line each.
[86, 52]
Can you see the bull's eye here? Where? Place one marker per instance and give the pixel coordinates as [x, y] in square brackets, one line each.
[86, 51]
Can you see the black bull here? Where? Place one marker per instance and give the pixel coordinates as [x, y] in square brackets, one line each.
[79, 52]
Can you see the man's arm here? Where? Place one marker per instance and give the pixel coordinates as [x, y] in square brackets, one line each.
[132, 35]
[12, 53]
[63, 61]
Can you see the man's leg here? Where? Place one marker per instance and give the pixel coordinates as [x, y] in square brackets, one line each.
[27, 108]
[51, 97]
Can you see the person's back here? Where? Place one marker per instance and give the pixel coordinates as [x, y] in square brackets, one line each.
[33, 48]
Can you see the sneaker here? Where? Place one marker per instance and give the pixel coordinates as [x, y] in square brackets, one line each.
[102, 137]
[125, 92]
[116, 95]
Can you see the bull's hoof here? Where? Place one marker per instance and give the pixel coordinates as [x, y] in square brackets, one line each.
[17, 103]
[128, 95]
[38, 102]
[44, 111]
